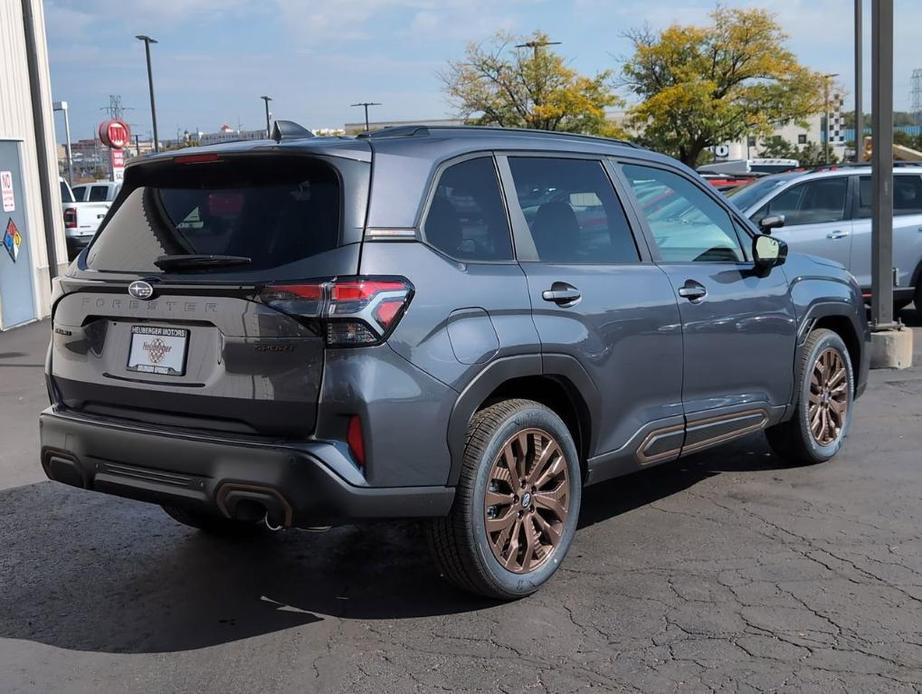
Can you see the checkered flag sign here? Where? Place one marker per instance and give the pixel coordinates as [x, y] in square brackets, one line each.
[836, 121]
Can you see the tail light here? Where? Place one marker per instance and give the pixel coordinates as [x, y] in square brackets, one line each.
[70, 218]
[352, 311]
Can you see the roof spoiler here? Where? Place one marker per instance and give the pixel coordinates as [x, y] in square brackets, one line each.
[289, 130]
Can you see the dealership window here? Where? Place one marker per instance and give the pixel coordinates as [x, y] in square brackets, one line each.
[802, 139]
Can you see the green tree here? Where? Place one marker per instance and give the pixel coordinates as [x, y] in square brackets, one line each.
[810, 154]
[700, 86]
[498, 83]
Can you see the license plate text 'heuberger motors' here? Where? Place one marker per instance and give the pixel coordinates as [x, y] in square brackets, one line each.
[158, 350]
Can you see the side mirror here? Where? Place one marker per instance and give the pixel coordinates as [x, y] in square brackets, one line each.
[775, 221]
[768, 252]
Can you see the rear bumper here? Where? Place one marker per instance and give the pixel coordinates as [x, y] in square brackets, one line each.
[301, 486]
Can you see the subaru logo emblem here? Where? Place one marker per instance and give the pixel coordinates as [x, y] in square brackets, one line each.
[140, 289]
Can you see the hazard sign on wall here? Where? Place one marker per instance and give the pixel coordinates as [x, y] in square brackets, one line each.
[12, 239]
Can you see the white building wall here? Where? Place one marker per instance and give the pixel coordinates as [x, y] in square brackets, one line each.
[16, 124]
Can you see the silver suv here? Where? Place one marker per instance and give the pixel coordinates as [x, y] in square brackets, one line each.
[828, 213]
[462, 325]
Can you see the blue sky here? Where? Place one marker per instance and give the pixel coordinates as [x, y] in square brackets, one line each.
[216, 57]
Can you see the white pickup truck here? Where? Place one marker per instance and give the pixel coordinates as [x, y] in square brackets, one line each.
[82, 218]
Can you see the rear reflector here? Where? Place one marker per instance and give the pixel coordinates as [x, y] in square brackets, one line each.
[352, 310]
[355, 440]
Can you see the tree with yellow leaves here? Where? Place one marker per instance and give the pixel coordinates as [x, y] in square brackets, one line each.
[500, 83]
[700, 86]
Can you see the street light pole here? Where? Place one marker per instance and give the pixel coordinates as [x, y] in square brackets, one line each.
[365, 105]
[150, 84]
[62, 106]
[267, 99]
[826, 79]
[534, 46]
[859, 81]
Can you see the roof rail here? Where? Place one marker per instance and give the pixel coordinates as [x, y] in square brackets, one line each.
[427, 130]
[289, 130]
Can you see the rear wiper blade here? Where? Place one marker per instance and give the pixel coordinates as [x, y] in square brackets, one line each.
[178, 262]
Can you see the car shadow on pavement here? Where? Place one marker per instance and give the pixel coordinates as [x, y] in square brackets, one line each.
[89, 572]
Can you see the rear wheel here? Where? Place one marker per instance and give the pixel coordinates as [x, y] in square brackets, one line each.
[211, 523]
[517, 502]
[823, 414]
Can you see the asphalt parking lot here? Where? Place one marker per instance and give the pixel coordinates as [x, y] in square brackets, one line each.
[728, 571]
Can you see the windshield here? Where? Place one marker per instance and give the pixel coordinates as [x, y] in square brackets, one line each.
[746, 196]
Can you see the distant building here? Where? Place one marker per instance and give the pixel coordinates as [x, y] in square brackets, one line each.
[356, 128]
[228, 134]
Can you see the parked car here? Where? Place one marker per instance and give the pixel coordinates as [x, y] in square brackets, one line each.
[464, 325]
[81, 219]
[97, 191]
[828, 213]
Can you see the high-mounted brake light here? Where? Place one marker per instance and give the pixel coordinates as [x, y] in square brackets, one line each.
[353, 311]
[196, 158]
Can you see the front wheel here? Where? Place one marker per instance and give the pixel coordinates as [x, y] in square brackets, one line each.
[823, 404]
[517, 502]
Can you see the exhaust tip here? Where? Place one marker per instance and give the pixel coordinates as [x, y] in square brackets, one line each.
[255, 504]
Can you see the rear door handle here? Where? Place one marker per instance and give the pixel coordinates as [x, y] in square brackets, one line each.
[693, 291]
[562, 294]
[837, 234]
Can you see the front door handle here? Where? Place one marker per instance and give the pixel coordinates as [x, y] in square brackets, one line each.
[693, 291]
[562, 294]
[838, 234]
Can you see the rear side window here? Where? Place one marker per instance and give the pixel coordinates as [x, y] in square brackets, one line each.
[467, 219]
[271, 211]
[907, 196]
[572, 211]
[99, 193]
[813, 202]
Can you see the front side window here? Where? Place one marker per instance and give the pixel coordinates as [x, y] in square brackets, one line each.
[687, 224]
[907, 196]
[813, 202]
[467, 219]
[572, 211]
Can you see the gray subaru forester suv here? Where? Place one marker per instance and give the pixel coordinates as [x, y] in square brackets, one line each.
[466, 325]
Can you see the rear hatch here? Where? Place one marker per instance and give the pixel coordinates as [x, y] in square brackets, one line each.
[163, 319]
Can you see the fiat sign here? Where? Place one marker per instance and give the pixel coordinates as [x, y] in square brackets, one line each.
[114, 133]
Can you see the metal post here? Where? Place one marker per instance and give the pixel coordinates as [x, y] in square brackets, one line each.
[62, 106]
[366, 104]
[882, 164]
[826, 121]
[150, 83]
[267, 99]
[859, 81]
[45, 185]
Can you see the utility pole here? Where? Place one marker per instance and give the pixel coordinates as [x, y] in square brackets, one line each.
[859, 81]
[365, 105]
[267, 99]
[826, 79]
[534, 46]
[150, 84]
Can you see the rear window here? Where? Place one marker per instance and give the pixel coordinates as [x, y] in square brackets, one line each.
[272, 211]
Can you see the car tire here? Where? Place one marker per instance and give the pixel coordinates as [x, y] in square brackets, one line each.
[507, 550]
[823, 402]
[212, 523]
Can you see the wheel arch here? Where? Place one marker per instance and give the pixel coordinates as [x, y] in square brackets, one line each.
[557, 381]
[839, 318]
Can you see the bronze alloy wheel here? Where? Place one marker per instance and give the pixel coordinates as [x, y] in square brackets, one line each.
[828, 406]
[527, 500]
